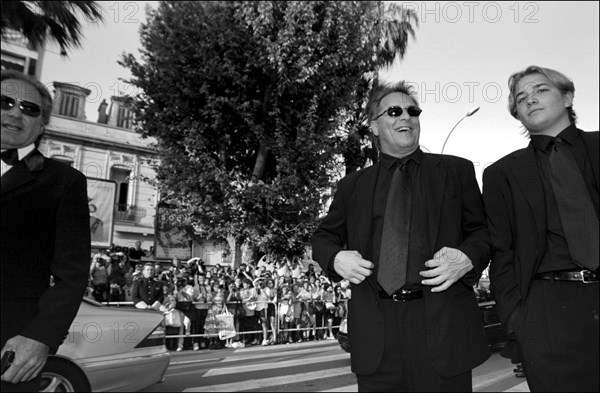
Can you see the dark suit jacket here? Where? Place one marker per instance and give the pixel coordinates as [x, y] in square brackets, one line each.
[456, 340]
[140, 293]
[45, 231]
[516, 209]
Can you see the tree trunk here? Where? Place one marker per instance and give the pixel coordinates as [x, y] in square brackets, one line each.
[261, 161]
[236, 251]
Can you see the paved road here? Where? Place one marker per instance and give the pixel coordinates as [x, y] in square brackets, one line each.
[304, 367]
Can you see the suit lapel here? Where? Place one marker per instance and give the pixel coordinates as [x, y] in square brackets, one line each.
[17, 176]
[524, 169]
[365, 218]
[435, 181]
[21, 173]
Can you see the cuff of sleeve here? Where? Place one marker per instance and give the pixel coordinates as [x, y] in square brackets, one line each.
[331, 273]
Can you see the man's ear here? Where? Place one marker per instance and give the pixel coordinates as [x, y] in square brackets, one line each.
[568, 99]
[374, 128]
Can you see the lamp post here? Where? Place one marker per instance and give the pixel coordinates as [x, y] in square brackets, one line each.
[469, 113]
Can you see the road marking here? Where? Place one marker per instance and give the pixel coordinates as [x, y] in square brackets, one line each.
[349, 388]
[265, 366]
[195, 361]
[286, 363]
[482, 381]
[522, 387]
[266, 355]
[251, 384]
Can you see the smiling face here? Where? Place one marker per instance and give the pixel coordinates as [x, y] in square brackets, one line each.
[19, 129]
[541, 106]
[398, 136]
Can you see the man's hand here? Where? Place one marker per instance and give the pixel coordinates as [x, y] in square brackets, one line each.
[448, 266]
[351, 266]
[30, 358]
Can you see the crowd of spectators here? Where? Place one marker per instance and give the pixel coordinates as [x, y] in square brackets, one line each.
[277, 301]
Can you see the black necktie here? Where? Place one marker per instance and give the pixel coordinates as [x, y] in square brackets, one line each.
[393, 257]
[10, 156]
[577, 213]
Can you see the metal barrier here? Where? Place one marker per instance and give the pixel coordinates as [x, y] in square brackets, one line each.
[278, 318]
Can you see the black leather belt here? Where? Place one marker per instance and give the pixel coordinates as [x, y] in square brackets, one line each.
[585, 276]
[402, 295]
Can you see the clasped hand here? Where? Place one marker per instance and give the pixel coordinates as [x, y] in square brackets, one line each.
[350, 265]
[447, 266]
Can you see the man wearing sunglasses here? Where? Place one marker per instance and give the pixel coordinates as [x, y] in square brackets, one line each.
[542, 204]
[45, 233]
[410, 234]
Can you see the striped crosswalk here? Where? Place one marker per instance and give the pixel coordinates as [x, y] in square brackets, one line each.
[313, 366]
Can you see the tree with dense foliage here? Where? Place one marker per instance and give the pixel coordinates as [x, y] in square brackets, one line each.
[248, 102]
[57, 21]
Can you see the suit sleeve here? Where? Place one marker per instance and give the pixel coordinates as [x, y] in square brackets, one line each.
[476, 244]
[135, 292]
[331, 236]
[503, 278]
[69, 267]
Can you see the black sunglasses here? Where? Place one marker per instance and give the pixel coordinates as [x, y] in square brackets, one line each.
[28, 108]
[396, 111]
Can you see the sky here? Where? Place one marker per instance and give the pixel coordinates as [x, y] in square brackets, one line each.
[462, 57]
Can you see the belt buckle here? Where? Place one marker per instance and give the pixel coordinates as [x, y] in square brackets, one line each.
[589, 274]
[403, 292]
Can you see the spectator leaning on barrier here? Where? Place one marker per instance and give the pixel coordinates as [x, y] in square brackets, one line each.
[128, 287]
[235, 308]
[271, 292]
[147, 292]
[184, 303]
[248, 322]
[296, 312]
[201, 304]
[173, 317]
[328, 297]
[211, 326]
[261, 308]
[99, 277]
[285, 313]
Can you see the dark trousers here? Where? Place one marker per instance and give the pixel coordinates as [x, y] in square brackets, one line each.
[248, 324]
[405, 366]
[557, 334]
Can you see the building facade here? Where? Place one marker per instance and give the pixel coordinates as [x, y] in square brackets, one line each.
[108, 149]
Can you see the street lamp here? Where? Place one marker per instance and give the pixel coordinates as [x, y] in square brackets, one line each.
[469, 113]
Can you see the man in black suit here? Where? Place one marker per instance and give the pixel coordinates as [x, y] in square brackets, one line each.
[542, 207]
[45, 233]
[147, 292]
[409, 233]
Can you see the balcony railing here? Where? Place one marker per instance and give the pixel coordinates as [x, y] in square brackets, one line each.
[129, 213]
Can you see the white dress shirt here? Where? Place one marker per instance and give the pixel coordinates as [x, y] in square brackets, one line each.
[22, 152]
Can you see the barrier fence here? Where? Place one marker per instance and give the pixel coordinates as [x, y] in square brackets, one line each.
[278, 318]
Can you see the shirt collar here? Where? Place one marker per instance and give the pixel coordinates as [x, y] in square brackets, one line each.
[24, 151]
[542, 142]
[389, 161]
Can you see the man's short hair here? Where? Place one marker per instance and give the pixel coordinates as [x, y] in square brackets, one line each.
[560, 80]
[39, 86]
[380, 91]
[148, 264]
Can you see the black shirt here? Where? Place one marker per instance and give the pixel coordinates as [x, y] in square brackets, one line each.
[136, 254]
[557, 255]
[419, 236]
